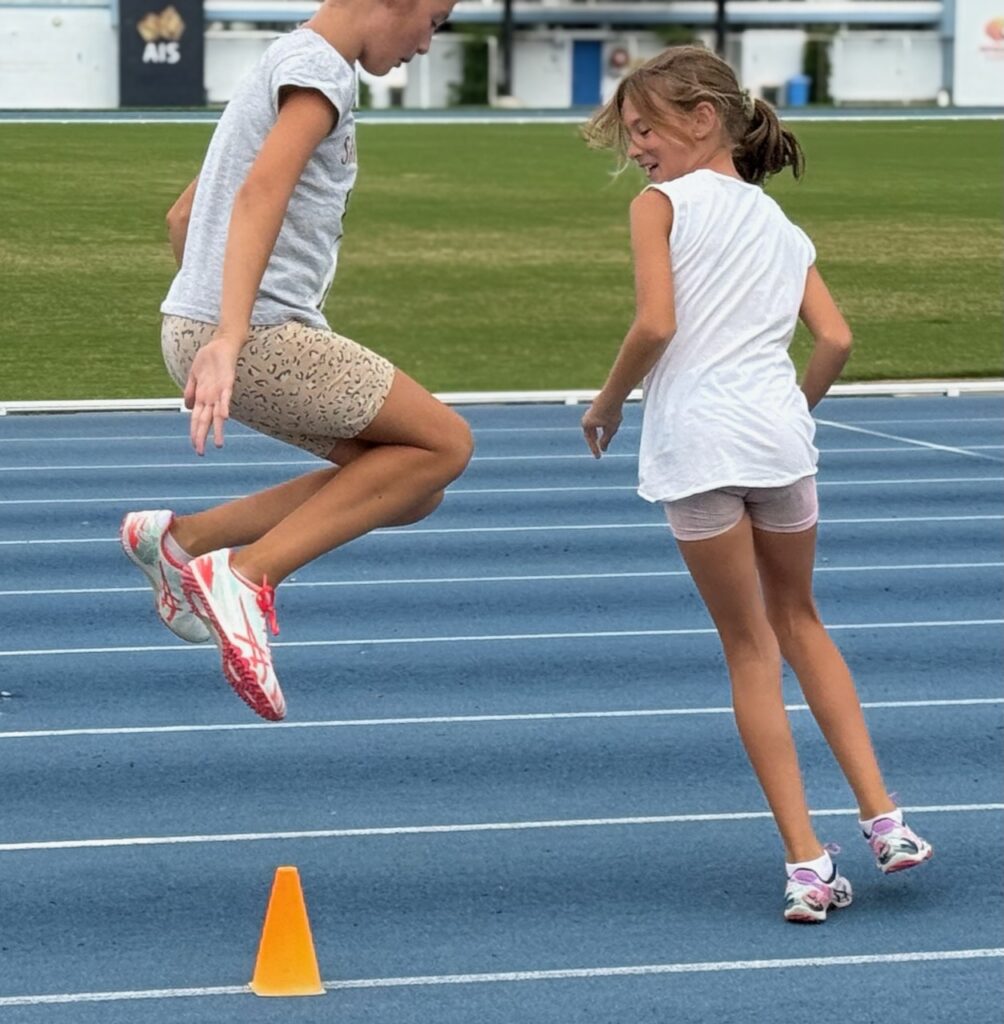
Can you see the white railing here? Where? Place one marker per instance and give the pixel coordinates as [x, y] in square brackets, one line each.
[570, 396]
[692, 12]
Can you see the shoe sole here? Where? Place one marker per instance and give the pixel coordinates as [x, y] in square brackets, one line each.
[808, 917]
[236, 672]
[805, 917]
[905, 865]
[131, 555]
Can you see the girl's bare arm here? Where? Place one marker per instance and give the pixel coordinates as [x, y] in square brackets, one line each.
[305, 118]
[831, 334]
[654, 321]
[177, 221]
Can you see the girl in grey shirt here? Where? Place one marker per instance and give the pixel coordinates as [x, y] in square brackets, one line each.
[256, 236]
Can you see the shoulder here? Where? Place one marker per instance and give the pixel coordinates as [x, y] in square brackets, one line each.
[653, 204]
[304, 49]
[304, 60]
[651, 214]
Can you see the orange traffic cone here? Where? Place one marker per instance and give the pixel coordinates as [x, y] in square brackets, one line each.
[286, 964]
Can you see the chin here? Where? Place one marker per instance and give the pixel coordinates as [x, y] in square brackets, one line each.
[377, 68]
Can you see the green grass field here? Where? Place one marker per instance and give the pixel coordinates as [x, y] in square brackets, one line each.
[491, 257]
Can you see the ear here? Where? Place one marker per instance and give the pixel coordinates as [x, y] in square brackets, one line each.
[704, 119]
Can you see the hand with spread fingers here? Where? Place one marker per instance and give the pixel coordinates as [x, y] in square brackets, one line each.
[207, 392]
[600, 423]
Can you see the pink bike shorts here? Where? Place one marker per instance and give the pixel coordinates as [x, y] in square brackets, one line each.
[788, 509]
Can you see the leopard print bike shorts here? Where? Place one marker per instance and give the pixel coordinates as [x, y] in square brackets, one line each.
[299, 384]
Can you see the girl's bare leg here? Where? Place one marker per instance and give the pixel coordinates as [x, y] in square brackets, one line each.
[245, 520]
[416, 447]
[724, 569]
[785, 562]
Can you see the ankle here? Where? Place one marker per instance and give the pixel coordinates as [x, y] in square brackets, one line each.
[181, 533]
[882, 808]
[248, 571]
[804, 852]
[867, 825]
[821, 865]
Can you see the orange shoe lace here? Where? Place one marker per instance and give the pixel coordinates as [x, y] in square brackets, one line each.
[266, 602]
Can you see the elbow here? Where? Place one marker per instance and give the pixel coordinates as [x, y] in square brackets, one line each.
[657, 332]
[841, 341]
[177, 219]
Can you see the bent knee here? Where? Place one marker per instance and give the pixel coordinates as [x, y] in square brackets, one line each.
[457, 445]
[422, 510]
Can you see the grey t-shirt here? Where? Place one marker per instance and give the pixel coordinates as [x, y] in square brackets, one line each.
[302, 265]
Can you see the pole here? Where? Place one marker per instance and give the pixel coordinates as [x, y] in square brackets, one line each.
[507, 30]
[721, 27]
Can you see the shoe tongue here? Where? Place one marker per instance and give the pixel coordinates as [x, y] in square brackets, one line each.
[805, 875]
[883, 825]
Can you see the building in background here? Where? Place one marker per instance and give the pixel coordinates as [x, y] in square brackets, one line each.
[90, 54]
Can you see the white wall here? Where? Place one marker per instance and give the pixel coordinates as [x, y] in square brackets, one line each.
[769, 57]
[430, 77]
[229, 57]
[58, 57]
[893, 67]
[979, 53]
[542, 71]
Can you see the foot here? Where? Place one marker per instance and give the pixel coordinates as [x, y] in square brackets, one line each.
[239, 616]
[807, 897]
[897, 847]
[142, 536]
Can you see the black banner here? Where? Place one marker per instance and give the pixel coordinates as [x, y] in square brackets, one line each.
[161, 53]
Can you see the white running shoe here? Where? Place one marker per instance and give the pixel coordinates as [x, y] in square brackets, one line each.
[239, 616]
[897, 847]
[142, 536]
[807, 897]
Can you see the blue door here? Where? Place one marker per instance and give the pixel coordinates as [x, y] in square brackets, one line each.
[586, 60]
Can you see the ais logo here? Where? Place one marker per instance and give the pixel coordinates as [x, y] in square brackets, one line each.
[161, 33]
[995, 29]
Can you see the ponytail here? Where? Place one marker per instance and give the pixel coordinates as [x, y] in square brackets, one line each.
[766, 147]
[681, 77]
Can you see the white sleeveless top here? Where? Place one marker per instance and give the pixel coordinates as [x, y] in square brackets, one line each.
[722, 406]
[302, 264]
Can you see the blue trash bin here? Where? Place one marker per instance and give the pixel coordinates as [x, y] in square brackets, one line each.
[797, 90]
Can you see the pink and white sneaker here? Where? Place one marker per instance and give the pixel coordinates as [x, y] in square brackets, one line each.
[142, 536]
[239, 615]
[807, 897]
[897, 847]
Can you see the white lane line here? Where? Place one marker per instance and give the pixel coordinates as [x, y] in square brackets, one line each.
[560, 974]
[481, 638]
[552, 528]
[929, 422]
[195, 464]
[542, 716]
[443, 580]
[407, 581]
[125, 996]
[911, 440]
[456, 829]
[573, 428]
[700, 967]
[162, 500]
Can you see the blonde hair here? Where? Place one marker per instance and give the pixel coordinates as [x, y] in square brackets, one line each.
[681, 78]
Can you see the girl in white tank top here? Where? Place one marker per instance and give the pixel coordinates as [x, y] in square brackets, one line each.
[721, 278]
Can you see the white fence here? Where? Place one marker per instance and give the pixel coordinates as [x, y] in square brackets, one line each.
[896, 67]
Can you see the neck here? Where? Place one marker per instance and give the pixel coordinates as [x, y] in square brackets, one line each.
[720, 161]
[341, 28]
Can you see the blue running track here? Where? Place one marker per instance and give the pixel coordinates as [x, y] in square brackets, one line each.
[509, 777]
